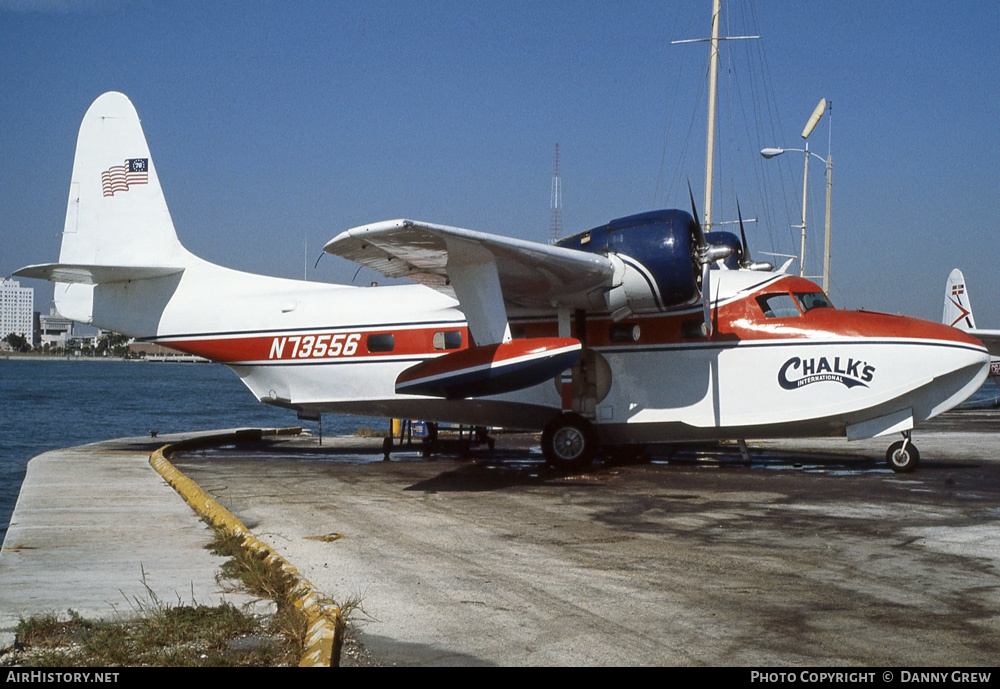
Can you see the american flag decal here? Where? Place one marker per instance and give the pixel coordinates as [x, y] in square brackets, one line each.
[120, 177]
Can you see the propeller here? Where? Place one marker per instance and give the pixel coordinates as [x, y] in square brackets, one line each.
[705, 254]
[746, 262]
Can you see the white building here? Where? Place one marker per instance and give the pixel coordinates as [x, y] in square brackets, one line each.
[55, 330]
[17, 306]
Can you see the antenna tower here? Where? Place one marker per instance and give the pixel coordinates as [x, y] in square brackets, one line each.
[556, 201]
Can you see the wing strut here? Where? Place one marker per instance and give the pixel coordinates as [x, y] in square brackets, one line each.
[477, 287]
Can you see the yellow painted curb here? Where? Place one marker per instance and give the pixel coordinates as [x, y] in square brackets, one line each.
[325, 633]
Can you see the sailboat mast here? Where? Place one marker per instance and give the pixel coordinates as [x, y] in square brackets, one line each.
[713, 77]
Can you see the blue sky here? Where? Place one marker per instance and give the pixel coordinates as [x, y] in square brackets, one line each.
[274, 126]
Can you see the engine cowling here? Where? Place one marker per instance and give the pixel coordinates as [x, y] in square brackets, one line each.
[732, 262]
[655, 257]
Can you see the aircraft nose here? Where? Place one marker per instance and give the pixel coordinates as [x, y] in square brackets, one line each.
[939, 366]
[959, 349]
[957, 366]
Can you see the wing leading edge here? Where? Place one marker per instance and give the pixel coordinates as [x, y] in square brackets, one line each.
[485, 272]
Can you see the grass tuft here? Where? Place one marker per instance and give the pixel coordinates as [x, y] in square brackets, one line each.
[179, 635]
[164, 636]
[264, 577]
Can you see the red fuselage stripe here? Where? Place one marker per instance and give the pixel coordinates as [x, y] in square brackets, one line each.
[740, 320]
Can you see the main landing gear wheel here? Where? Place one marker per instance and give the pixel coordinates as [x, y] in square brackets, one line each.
[902, 456]
[569, 442]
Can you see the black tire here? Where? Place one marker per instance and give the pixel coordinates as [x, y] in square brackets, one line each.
[902, 461]
[569, 442]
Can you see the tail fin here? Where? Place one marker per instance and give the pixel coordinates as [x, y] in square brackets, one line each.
[957, 306]
[118, 229]
[117, 215]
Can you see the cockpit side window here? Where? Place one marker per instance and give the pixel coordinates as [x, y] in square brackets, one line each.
[813, 300]
[778, 305]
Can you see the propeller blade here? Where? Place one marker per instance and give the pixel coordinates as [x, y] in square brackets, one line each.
[699, 234]
[746, 260]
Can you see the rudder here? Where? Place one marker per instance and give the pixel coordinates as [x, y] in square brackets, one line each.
[957, 306]
[116, 214]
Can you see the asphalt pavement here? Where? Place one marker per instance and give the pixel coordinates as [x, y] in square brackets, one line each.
[816, 554]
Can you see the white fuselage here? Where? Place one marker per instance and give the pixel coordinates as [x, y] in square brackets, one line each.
[304, 345]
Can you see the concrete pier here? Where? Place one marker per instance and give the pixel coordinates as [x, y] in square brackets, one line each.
[97, 530]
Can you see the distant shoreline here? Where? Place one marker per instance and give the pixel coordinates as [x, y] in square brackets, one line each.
[149, 359]
[8, 356]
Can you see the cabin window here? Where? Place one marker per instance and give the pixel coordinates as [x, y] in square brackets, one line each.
[518, 333]
[382, 342]
[624, 332]
[694, 329]
[813, 300]
[778, 306]
[448, 339]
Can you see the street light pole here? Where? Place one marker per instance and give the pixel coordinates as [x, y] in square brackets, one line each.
[805, 199]
[826, 240]
[772, 152]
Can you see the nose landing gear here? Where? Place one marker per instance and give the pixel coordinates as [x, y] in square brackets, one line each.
[902, 456]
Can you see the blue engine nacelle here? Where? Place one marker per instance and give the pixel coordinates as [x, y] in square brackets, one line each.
[655, 256]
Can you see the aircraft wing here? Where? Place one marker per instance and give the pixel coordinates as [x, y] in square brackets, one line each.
[990, 338]
[485, 272]
[531, 274]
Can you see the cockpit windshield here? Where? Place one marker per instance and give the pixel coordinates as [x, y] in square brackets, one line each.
[785, 305]
[813, 300]
[780, 305]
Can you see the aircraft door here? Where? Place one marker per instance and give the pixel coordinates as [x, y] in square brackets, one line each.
[591, 382]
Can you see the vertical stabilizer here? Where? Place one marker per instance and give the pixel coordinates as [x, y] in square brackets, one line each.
[116, 215]
[957, 306]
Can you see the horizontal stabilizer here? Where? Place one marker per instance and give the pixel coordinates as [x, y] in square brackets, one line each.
[94, 275]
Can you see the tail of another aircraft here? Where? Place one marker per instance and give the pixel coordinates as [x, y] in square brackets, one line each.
[957, 306]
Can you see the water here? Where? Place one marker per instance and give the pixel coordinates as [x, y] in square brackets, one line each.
[986, 397]
[46, 405]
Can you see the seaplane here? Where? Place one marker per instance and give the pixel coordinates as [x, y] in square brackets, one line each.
[958, 314]
[644, 329]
